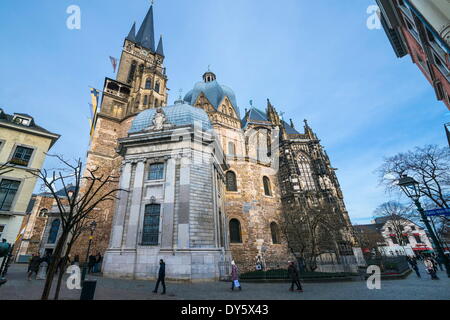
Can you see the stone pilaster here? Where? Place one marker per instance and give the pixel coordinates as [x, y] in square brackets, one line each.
[135, 207]
[168, 206]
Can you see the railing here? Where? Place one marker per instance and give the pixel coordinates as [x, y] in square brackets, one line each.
[390, 264]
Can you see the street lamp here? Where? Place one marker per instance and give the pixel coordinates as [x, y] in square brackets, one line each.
[411, 188]
[92, 227]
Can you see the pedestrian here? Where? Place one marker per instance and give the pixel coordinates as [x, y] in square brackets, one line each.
[235, 276]
[293, 275]
[91, 263]
[76, 261]
[412, 261]
[161, 277]
[98, 262]
[430, 269]
[33, 266]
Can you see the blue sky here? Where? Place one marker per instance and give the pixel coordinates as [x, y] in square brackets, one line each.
[313, 59]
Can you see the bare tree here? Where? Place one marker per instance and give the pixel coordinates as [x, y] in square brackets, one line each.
[314, 231]
[82, 194]
[430, 166]
[6, 168]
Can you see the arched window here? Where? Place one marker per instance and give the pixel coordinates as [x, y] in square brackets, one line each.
[275, 233]
[231, 148]
[43, 213]
[157, 86]
[231, 181]
[132, 72]
[235, 231]
[148, 84]
[267, 188]
[145, 100]
[53, 234]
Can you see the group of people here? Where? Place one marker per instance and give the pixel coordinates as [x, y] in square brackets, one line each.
[235, 283]
[94, 263]
[431, 264]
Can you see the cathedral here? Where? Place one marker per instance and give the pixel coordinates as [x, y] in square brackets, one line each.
[206, 182]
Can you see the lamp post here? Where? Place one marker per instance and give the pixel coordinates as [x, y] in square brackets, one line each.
[92, 227]
[411, 188]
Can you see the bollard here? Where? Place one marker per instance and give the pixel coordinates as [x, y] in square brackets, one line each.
[88, 291]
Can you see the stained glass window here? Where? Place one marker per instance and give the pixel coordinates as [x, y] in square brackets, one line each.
[306, 174]
[150, 234]
[54, 231]
[231, 181]
[274, 232]
[8, 190]
[267, 189]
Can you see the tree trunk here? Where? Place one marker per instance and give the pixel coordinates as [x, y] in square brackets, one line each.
[52, 266]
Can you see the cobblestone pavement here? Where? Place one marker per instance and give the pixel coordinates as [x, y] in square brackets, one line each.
[18, 288]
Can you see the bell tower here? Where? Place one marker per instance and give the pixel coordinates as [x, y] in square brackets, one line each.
[141, 81]
[141, 84]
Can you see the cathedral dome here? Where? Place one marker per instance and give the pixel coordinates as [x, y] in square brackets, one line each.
[180, 114]
[213, 91]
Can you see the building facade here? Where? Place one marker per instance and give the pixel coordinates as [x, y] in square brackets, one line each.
[23, 147]
[205, 184]
[422, 30]
[394, 236]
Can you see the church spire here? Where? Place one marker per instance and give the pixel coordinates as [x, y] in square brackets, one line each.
[132, 34]
[146, 33]
[160, 49]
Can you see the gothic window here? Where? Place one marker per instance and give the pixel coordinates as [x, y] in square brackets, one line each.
[150, 234]
[148, 84]
[231, 181]
[132, 72]
[306, 173]
[43, 213]
[157, 86]
[8, 190]
[235, 231]
[145, 100]
[275, 233]
[156, 171]
[267, 188]
[231, 148]
[53, 234]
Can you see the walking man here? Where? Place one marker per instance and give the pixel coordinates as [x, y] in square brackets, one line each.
[293, 274]
[235, 276]
[33, 267]
[413, 263]
[161, 277]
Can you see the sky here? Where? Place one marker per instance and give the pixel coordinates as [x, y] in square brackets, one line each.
[315, 60]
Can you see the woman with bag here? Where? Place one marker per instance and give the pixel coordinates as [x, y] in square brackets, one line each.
[430, 269]
[235, 276]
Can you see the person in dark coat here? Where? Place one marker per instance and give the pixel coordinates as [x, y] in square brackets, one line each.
[98, 262]
[91, 263]
[33, 266]
[413, 263]
[293, 274]
[161, 277]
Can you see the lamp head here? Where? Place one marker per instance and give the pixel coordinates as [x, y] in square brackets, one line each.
[410, 187]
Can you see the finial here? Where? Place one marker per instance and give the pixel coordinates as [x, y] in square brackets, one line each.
[306, 123]
[251, 103]
[152, 1]
[181, 93]
[281, 115]
[292, 124]
[209, 68]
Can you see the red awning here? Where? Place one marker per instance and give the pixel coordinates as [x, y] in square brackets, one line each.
[422, 249]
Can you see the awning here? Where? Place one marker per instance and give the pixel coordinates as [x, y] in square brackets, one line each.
[422, 249]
